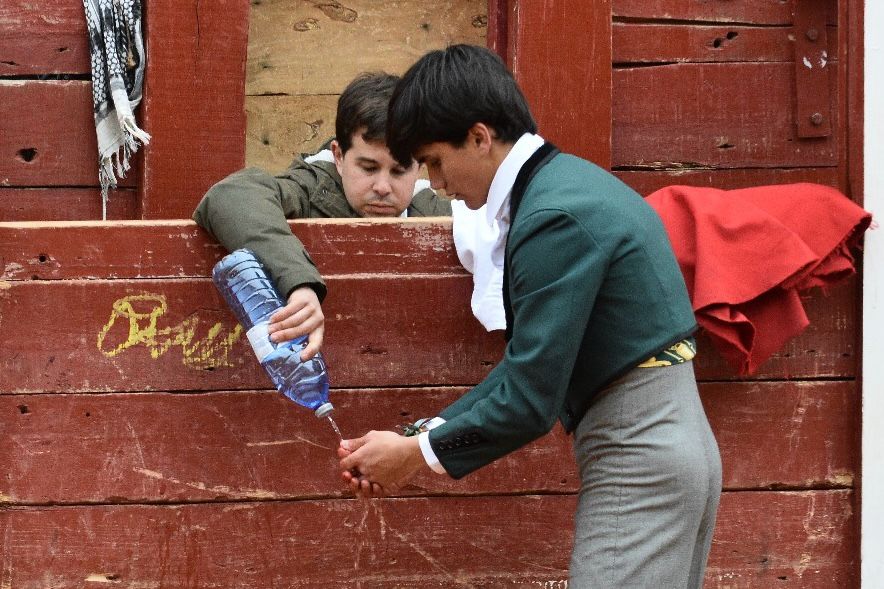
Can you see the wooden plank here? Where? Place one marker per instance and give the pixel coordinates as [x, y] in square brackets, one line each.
[712, 115]
[281, 127]
[64, 204]
[812, 80]
[759, 12]
[728, 179]
[318, 47]
[308, 544]
[804, 540]
[801, 540]
[180, 249]
[570, 39]
[496, 38]
[51, 140]
[414, 259]
[49, 37]
[178, 335]
[848, 108]
[241, 446]
[662, 43]
[785, 434]
[112, 448]
[193, 102]
[854, 47]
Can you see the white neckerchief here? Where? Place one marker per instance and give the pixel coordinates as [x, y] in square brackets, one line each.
[480, 235]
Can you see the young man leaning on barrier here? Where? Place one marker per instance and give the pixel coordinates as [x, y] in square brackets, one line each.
[355, 177]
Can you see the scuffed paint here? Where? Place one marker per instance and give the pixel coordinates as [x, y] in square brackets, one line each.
[141, 328]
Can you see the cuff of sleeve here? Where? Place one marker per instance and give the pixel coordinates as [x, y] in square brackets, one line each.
[431, 423]
[429, 456]
[289, 283]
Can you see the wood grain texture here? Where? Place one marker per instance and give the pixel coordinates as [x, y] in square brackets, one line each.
[51, 139]
[692, 43]
[282, 127]
[181, 249]
[64, 204]
[728, 179]
[575, 42]
[193, 102]
[43, 37]
[854, 51]
[763, 540]
[761, 12]
[151, 326]
[257, 445]
[178, 335]
[309, 47]
[710, 115]
[244, 445]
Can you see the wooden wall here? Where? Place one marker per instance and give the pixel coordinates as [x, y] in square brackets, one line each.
[140, 445]
[192, 106]
[303, 53]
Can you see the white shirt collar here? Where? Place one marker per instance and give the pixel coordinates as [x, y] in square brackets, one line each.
[502, 185]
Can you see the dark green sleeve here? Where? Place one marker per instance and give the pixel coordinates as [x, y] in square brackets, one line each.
[249, 209]
[474, 395]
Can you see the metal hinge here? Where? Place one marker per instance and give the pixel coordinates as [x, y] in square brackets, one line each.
[813, 112]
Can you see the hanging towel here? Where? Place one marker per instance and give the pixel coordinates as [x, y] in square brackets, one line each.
[480, 249]
[747, 254]
[117, 49]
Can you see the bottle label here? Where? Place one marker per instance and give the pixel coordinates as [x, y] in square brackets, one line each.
[260, 340]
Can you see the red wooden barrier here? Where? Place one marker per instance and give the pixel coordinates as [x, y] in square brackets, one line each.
[140, 443]
[764, 539]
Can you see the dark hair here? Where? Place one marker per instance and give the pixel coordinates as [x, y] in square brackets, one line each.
[446, 92]
[362, 107]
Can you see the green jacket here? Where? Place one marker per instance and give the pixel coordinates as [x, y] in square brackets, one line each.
[594, 290]
[249, 209]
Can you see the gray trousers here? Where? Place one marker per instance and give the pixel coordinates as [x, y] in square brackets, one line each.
[650, 484]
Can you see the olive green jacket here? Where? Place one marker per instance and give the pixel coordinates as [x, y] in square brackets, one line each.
[249, 208]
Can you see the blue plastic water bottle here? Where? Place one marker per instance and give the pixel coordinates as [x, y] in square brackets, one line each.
[244, 284]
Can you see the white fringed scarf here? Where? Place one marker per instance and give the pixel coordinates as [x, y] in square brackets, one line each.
[117, 51]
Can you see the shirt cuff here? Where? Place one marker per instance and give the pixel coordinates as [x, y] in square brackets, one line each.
[429, 456]
[431, 423]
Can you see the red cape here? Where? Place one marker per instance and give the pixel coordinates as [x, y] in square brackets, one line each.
[746, 254]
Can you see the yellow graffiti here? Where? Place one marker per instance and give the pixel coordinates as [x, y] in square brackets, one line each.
[139, 315]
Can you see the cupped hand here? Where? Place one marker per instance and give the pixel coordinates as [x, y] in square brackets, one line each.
[384, 461]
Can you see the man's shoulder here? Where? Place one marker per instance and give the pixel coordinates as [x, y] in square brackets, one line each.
[319, 179]
[571, 180]
[314, 168]
[427, 203]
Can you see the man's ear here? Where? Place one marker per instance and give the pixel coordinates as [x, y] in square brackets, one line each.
[339, 155]
[481, 136]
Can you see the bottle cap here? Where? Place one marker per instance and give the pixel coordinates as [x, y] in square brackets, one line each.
[324, 410]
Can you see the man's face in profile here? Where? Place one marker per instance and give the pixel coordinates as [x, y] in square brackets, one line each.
[375, 184]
